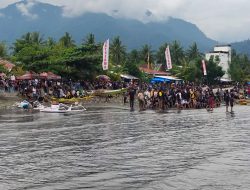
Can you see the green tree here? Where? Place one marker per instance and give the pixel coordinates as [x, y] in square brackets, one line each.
[67, 41]
[28, 39]
[50, 42]
[3, 50]
[18, 70]
[90, 39]
[89, 44]
[239, 69]
[214, 71]
[177, 53]
[146, 54]
[132, 64]
[134, 57]
[3, 69]
[193, 52]
[160, 54]
[189, 71]
[117, 51]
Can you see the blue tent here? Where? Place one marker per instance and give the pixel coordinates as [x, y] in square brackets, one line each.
[154, 80]
[248, 83]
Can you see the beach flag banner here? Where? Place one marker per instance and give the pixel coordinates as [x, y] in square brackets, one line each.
[204, 67]
[105, 61]
[168, 58]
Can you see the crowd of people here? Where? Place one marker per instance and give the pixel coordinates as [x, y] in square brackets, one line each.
[182, 96]
[38, 89]
[159, 96]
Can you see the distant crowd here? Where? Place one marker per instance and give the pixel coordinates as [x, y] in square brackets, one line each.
[39, 89]
[159, 96]
[182, 96]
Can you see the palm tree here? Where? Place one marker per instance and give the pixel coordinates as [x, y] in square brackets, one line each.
[160, 54]
[177, 53]
[134, 57]
[50, 42]
[28, 39]
[117, 51]
[193, 52]
[67, 41]
[147, 54]
[36, 38]
[90, 39]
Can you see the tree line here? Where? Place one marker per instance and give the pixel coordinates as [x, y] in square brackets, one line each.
[83, 61]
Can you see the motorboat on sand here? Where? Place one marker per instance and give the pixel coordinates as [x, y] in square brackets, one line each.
[53, 108]
[62, 108]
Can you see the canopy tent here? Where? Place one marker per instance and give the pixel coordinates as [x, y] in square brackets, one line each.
[156, 79]
[165, 79]
[49, 76]
[171, 78]
[225, 80]
[103, 77]
[128, 77]
[28, 76]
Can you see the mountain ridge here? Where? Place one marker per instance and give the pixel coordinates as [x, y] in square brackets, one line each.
[49, 21]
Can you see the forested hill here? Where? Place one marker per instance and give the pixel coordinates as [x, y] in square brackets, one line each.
[49, 21]
[242, 47]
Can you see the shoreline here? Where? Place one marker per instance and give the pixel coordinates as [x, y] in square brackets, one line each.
[7, 100]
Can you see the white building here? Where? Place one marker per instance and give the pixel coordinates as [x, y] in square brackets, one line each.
[224, 54]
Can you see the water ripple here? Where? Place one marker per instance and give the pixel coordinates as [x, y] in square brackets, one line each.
[113, 148]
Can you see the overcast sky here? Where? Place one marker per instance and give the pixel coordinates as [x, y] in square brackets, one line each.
[221, 20]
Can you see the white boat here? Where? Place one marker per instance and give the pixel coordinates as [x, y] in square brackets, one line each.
[62, 108]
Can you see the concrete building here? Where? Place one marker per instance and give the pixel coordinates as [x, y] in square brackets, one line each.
[224, 53]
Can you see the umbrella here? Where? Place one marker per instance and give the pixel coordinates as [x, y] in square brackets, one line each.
[43, 75]
[28, 76]
[103, 77]
[50, 76]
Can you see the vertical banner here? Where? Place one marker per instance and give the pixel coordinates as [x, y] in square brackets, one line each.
[204, 67]
[105, 60]
[168, 58]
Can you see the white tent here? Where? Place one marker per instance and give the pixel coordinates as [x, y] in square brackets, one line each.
[128, 77]
[225, 80]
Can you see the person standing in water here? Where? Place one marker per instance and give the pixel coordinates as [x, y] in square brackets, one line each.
[131, 98]
[141, 100]
[226, 99]
[211, 101]
[231, 99]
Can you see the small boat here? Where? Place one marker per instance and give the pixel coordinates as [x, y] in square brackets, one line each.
[24, 104]
[72, 100]
[243, 101]
[104, 92]
[62, 108]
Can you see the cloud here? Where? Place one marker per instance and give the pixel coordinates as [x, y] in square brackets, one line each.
[160, 9]
[224, 20]
[26, 7]
[4, 3]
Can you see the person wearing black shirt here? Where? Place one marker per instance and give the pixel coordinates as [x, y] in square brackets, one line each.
[227, 99]
[132, 92]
